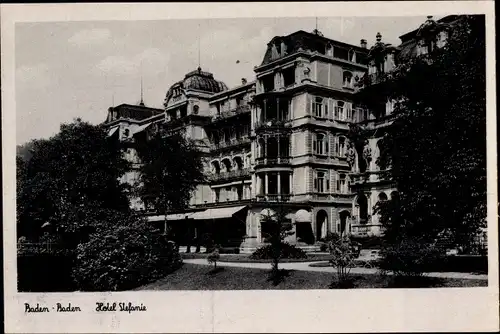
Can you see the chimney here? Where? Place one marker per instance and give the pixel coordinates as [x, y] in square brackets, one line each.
[243, 81]
[363, 43]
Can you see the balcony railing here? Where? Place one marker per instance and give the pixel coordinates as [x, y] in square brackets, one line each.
[273, 125]
[274, 198]
[272, 161]
[233, 142]
[233, 112]
[234, 174]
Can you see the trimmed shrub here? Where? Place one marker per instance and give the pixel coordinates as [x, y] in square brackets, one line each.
[124, 254]
[287, 252]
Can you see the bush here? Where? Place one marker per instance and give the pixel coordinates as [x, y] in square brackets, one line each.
[214, 257]
[409, 257]
[287, 252]
[343, 251]
[123, 254]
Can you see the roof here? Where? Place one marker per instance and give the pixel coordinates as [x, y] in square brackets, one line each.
[429, 22]
[198, 80]
[306, 41]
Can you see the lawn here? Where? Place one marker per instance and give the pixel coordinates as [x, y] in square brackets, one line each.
[245, 258]
[200, 277]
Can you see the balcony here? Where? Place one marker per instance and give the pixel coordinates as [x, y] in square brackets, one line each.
[272, 161]
[232, 175]
[274, 198]
[273, 125]
[231, 113]
[232, 143]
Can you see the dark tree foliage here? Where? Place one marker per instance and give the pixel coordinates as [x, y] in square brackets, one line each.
[436, 148]
[171, 169]
[124, 252]
[77, 168]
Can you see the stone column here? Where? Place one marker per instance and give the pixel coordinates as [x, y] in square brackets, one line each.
[266, 184]
[291, 183]
[278, 109]
[279, 150]
[258, 184]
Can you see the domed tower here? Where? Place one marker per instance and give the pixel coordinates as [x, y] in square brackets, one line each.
[186, 102]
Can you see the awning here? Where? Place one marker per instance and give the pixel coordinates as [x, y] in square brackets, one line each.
[303, 216]
[140, 129]
[175, 216]
[112, 131]
[217, 213]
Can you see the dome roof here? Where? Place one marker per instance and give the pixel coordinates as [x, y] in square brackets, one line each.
[203, 81]
[197, 80]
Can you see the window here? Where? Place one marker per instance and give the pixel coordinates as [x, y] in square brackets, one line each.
[342, 186]
[352, 56]
[340, 111]
[320, 110]
[341, 148]
[347, 79]
[321, 183]
[320, 145]
[289, 76]
[329, 50]
[268, 83]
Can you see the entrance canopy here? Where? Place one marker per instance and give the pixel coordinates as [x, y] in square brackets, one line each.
[216, 213]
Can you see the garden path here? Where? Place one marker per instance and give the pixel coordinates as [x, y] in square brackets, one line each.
[304, 266]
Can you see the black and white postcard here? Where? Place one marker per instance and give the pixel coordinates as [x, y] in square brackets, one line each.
[249, 167]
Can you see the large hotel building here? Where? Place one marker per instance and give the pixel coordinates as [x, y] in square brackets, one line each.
[282, 138]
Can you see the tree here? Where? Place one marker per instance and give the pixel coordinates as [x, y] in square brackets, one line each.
[77, 168]
[171, 168]
[436, 146]
[279, 228]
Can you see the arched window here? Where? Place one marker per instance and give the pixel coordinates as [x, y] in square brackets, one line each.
[352, 55]
[320, 144]
[321, 181]
[382, 197]
[394, 195]
[362, 203]
[340, 111]
[342, 146]
[215, 167]
[319, 108]
[238, 163]
[227, 165]
[347, 79]
[329, 50]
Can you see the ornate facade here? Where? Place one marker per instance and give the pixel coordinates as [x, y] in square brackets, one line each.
[285, 139]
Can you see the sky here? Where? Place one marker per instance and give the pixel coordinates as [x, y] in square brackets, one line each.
[66, 70]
